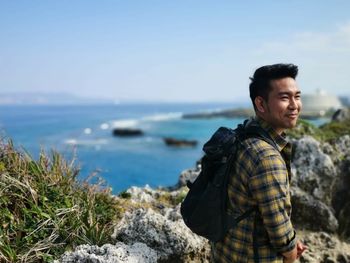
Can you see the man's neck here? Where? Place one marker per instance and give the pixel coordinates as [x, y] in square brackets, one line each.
[279, 131]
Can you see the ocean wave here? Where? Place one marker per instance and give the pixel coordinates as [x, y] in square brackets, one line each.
[104, 126]
[85, 142]
[126, 123]
[87, 130]
[129, 123]
[163, 117]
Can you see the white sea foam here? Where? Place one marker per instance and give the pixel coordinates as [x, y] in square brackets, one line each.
[104, 126]
[87, 130]
[86, 142]
[163, 117]
[71, 141]
[130, 123]
[126, 123]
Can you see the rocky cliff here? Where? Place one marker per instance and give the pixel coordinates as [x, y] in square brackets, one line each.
[152, 230]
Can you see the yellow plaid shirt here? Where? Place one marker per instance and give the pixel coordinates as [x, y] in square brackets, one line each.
[261, 179]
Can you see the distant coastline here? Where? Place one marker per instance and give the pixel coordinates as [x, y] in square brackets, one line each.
[245, 113]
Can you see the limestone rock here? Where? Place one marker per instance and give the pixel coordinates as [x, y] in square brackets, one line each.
[314, 171]
[166, 234]
[306, 209]
[341, 115]
[341, 200]
[160, 198]
[187, 175]
[342, 146]
[324, 248]
[118, 253]
[127, 132]
[142, 194]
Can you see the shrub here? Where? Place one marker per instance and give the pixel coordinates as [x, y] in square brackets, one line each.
[45, 210]
[335, 129]
[326, 132]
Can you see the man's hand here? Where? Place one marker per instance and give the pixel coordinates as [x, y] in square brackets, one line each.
[290, 256]
[300, 248]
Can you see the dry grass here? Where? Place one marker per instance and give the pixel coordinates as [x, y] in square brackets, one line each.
[45, 210]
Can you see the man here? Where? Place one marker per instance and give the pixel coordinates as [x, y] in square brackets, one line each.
[262, 176]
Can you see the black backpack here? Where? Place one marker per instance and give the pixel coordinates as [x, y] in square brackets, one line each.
[204, 209]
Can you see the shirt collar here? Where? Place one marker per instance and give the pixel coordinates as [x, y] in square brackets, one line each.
[280, 140]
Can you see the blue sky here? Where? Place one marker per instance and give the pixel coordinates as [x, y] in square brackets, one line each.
[170, 50]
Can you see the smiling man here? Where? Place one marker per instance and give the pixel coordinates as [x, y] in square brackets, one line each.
[262, 176]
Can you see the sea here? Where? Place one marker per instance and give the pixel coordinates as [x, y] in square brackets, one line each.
[85, 133]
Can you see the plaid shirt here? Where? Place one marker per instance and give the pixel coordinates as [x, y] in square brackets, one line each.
[261, 179]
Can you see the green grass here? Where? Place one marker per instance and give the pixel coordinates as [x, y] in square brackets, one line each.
[326, 133]
[45, 210]
[305, 128]
[172, 200]
[334, 129]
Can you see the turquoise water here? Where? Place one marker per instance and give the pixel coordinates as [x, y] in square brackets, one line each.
[86, 133]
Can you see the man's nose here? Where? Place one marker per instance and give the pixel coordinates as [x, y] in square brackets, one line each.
[293, 103]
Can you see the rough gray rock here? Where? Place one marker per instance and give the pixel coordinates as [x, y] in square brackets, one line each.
[166, 234]
[338, 150]
[142, 194]
[324, 248]
[341, 200]
[341, 115]
[187, 175]
[323, 171]
[342, 146]
[314, 171]
[118, 253]
[159, 198]
[306, 209]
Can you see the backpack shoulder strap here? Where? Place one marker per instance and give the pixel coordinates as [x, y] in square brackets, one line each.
[251, 129]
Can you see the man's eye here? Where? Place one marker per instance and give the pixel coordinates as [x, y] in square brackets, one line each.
[284, 98]
[298, 97]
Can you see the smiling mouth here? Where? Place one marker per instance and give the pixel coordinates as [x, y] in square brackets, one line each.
[292, 116]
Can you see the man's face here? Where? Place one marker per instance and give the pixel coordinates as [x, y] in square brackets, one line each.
[283, 105]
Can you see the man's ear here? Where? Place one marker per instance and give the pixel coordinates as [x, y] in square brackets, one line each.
[260, 104]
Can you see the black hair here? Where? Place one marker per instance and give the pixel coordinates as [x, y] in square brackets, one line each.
[260, 82]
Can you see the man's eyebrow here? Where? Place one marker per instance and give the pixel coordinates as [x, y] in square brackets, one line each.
[289, 93]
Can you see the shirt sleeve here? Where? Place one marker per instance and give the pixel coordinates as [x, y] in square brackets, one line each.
[269, 186]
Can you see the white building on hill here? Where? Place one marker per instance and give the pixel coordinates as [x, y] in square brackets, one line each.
[318, 103]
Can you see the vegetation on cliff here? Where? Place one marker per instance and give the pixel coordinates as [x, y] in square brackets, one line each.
[45, 210]
[326, 132]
